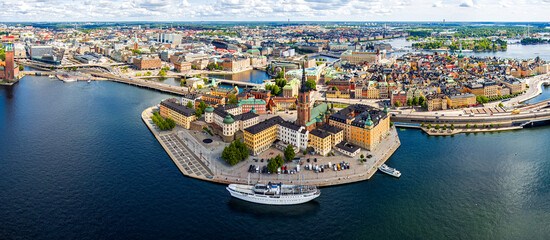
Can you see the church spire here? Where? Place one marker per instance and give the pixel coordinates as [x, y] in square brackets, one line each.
[304, 87]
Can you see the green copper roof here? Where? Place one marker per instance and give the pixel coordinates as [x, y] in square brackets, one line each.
[251, 101]
[369, 121]
[385, 109]
[209, 109]
[228, 119]
[316, 112]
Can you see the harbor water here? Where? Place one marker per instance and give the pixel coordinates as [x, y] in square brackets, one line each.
[77, 162]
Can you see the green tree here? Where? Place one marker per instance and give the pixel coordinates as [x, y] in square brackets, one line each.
[280, 161]
[229, 154]
[289, 153]
[415, 101]
[397, 104]
[272, 166]
[452, 127]
[429, 126]
[444, 127]
[467, 125]
[21, 67]
[362, 156]
[162, 73]
[334, 88]
[198, 113]
[189, 105]
[437, 127]
[202, 106]
[409, 102]
[311, 84]
[421, 101]
[232, 99]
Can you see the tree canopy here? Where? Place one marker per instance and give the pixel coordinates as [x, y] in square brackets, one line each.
[289, 153]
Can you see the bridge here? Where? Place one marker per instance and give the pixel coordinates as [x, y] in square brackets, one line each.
[142, 83]
[46, 66]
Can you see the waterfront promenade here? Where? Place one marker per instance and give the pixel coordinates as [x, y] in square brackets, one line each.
[197, 160]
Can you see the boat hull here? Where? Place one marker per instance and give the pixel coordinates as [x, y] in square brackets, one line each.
[274, 200]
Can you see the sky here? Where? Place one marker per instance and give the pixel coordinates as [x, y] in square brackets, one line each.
[275, 10]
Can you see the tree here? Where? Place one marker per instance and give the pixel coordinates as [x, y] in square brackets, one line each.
[272, 166]
[415, 101]
[501, 105]
[409, 102]
[279, 160]
[444, 127]
[467, 125]
[437, 127]
[289, 153]
[189, 105]
[452, 127]
[311, 84]
[162, 73]
[304, 152]
[21, 67]
[229, 154]
[362, 156]
[232, 99]
[421, 101]
[429, 126]
[202, 106]
[334, 88]
[198, 113]
[475, 125]
[397, 104]
[422, 125]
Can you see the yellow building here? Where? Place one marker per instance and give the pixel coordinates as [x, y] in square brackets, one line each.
[320, 141]
[336, 134]
[261, 136]
[436, 102]
[461, 100]
[182, 115]
[363, 125]
[338, 94]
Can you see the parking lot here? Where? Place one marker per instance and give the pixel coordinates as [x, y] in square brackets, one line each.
[182, 155]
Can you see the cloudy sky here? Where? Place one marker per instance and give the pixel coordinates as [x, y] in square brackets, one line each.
[274, 10]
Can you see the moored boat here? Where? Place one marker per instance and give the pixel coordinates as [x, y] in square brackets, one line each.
[390, 171]
[274, 194]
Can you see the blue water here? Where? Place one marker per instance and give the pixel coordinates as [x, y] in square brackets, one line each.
[545, 95]
[77, 162]
[515, 51]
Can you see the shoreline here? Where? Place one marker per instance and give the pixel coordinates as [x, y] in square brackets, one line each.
[358, 171]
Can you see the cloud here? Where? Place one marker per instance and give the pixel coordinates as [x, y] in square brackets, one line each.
[467, 3]
[269, 10]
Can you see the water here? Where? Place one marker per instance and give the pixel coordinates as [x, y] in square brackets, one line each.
[254, 76]
[77, 162]
[545, 95]
[516, 51]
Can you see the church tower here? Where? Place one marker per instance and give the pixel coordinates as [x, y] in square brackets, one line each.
[304, 108]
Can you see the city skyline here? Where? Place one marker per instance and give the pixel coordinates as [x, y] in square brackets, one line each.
[275, 10]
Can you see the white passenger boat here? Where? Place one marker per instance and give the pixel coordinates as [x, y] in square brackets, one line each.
[390, 171]
[274, 194]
